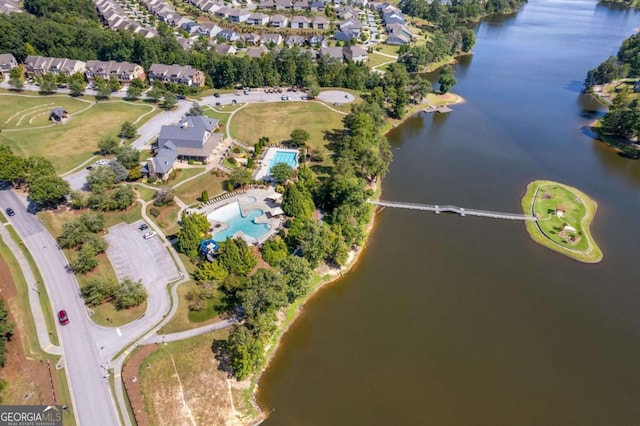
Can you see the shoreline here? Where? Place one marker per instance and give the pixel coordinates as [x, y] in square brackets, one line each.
[297, 307]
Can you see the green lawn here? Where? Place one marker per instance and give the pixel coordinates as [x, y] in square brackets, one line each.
[191, 191]
[146, 194]
[564, 216]
[386, 48]
[26, 111]
[185, 319]
[376, 59]
[184, 174]
[278, 120]
[69, 144]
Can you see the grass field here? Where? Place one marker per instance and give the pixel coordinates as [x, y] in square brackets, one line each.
[69, 144]
[167, 220]
[278, 120]
[567, 233]
[27, 111]
[376, 59]
[183, 385]
[185, 319]
[191, 191]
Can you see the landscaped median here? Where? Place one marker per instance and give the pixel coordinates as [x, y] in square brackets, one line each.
[564, 216]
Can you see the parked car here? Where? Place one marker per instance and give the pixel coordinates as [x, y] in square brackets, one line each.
[149, 234]
[284, 98]
[218, 104]
[179, 96]
[143, 227]
[63, 318]
[233, 101]
[217, 95]
[10, 212]
[237, 93]
[101, 162]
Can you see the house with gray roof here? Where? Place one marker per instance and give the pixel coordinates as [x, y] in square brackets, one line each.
[238, 15]
[258, 19]
[299, 22]
[317, 6]
[320, 23]
[267, 39]
[333, 52]
[355, 54]
[162, 164]
[180, 74]
[194, 138]
[9, 6]
[7, 63]
[39, 65]
[278, 21]
[256, 52]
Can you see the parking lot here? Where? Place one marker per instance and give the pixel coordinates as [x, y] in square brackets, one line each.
[133, 256]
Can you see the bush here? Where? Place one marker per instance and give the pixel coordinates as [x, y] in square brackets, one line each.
[152, 179]
[236, 150]
[129, 294]
[232, 160]
[190, 162]
[154, 212]
[288, 223]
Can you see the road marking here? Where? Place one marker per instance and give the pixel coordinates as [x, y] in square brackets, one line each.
[118, 330]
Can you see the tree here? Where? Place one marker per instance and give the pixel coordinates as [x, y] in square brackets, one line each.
[298, 137]
[297, 273]
[78, 199]
[128, 130]
[12, 167]
[194, 227]
[101, 177]
[108, 145]
[48, 191]
[195, 109]
[314, 240]
[210, 271]
[163, 196]
[73, 235]
[48, 84]
[274, 251]
[92, 221]
[244, 350]
[120, 172]
[129, 157]
[135, 173]
[114, 84]
[198, 296]
[205, 196]
[6, 331]
[170, 100]
[447, 79]
[102, 88]
[155, 93]
[98, 290]
[606, 72]
[16, 79]
[236, 257]
[123, 197]
[240, 177]
[419, 88]
[129, 294]
[281, 172]
[77, 84]
[133, 92]
[85, 261]
[266, 292]
[297, 202]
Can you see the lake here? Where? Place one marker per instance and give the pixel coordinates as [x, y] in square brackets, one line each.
[448, 320]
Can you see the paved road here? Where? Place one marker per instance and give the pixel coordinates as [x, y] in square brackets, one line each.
[149, 130]
[82, 359]
[259, 95]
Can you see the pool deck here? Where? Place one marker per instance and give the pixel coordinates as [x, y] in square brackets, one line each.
[265, 164]
[246, 205]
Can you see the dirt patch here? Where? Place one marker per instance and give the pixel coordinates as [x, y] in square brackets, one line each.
[132, 369]
[29, 381]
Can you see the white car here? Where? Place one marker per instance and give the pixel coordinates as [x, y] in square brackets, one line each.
[149, 234]
[101, 162]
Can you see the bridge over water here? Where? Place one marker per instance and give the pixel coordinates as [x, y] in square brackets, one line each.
[437, 209]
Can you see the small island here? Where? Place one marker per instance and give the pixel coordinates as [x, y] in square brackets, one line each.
[564, 215]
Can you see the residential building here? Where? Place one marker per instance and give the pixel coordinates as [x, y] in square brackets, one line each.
[351, 24]
[300, 22]
[123, 71]
[181, 74]
[209, 29]
[9, 6]
[333, 52]
[228, 35]
[225, 49]
[320, 23]
[300, 4]
[7, 63]
[258, 19]
[39, 65]
[278, 21]
[238, 15]
[355, 54]
[223, 12]
[295, 40]
[191, 27]
[251, 38]
[316, 40]
[345, 35]
[256, 52]
[194, 138]
[317, 6]
[267, 39]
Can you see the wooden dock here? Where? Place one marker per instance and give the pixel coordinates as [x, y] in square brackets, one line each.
[441, 109]
[437, 209]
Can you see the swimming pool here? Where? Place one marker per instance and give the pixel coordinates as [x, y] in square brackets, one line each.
[232, 216]
[287, 157]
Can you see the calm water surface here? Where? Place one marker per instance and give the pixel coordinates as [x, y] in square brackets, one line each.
[466, 321]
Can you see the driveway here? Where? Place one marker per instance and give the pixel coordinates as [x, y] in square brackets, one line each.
[146, 260]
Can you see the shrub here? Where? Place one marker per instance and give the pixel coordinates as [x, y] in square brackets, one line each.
[152, 179]
[232, 160]
[154, 212]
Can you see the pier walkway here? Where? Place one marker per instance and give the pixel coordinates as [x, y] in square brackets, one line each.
[437, 209]
[441, 109]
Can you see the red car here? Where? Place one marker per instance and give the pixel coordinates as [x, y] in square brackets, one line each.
[63, 318]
